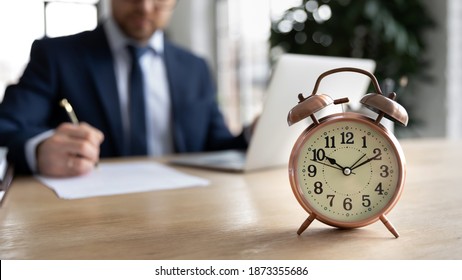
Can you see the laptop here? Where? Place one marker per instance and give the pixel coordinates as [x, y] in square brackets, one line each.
[272, 139]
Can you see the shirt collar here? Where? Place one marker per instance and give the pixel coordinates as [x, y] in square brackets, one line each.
[118, 40]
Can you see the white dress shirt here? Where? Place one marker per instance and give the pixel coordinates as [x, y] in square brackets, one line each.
[157, 97]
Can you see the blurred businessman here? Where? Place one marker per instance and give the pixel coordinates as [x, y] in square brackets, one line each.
[133, 91]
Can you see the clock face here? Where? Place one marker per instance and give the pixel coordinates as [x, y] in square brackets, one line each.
[347, 170]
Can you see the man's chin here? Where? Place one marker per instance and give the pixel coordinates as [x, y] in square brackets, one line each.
[141, 35]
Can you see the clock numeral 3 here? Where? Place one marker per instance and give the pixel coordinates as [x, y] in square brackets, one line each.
[385, 172]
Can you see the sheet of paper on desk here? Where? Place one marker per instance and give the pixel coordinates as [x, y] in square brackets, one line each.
[122, 178]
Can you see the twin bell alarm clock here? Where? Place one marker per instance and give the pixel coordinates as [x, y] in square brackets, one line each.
[346, 169]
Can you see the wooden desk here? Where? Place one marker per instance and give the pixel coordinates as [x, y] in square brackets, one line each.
[252, 216]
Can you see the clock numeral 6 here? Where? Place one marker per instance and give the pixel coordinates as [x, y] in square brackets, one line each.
[347, 205]
[347, 202]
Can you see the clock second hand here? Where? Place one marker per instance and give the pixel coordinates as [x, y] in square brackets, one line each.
[353, 166]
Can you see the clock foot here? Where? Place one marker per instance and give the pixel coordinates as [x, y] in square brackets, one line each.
[389, 226]
[306, 224]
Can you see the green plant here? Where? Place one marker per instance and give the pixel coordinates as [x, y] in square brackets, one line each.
[390, 32]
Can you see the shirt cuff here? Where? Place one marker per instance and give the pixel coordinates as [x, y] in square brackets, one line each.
[31, 148]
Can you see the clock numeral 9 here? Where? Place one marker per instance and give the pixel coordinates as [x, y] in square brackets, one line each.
[312, 170]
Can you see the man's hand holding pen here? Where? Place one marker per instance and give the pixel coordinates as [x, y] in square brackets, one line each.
[72, 150]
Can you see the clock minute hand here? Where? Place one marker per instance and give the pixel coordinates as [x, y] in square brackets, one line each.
[366, 161]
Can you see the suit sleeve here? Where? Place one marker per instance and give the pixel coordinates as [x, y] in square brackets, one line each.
[25, 109]
[219, 136]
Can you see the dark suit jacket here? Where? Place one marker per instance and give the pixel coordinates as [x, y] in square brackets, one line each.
[80, 68]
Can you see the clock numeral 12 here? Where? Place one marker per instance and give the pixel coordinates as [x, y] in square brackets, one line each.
[347, 138]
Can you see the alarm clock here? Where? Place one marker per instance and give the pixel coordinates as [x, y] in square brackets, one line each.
[346, 169]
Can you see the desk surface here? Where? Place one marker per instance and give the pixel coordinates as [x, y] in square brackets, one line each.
[251, 216]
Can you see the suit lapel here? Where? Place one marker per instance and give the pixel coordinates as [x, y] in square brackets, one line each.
[101, 65]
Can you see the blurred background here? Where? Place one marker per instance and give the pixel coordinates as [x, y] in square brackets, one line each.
[417, 45]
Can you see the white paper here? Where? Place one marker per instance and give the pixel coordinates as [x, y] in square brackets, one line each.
[2, 193]
[3, 162]
[122, 178]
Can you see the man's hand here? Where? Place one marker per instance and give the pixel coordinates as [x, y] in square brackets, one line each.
[72, 150]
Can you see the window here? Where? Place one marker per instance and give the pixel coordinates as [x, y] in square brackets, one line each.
[23, 21]
[69, 17]
[243, 65]
[454, 69]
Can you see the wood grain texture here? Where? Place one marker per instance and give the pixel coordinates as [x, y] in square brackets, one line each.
[250, 216]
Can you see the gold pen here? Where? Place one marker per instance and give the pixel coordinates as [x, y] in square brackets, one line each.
[70, 111]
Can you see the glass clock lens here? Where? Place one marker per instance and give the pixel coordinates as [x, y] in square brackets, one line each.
[348, 170]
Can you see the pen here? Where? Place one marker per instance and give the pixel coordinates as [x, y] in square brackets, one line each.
[70, 111]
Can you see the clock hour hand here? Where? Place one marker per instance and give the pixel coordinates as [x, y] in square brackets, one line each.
[326, 164]
[334, 162]
[346, 171]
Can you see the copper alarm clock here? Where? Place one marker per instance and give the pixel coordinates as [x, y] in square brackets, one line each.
[346, 169]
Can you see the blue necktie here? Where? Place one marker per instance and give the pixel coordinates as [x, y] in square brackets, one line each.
[137, 133]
